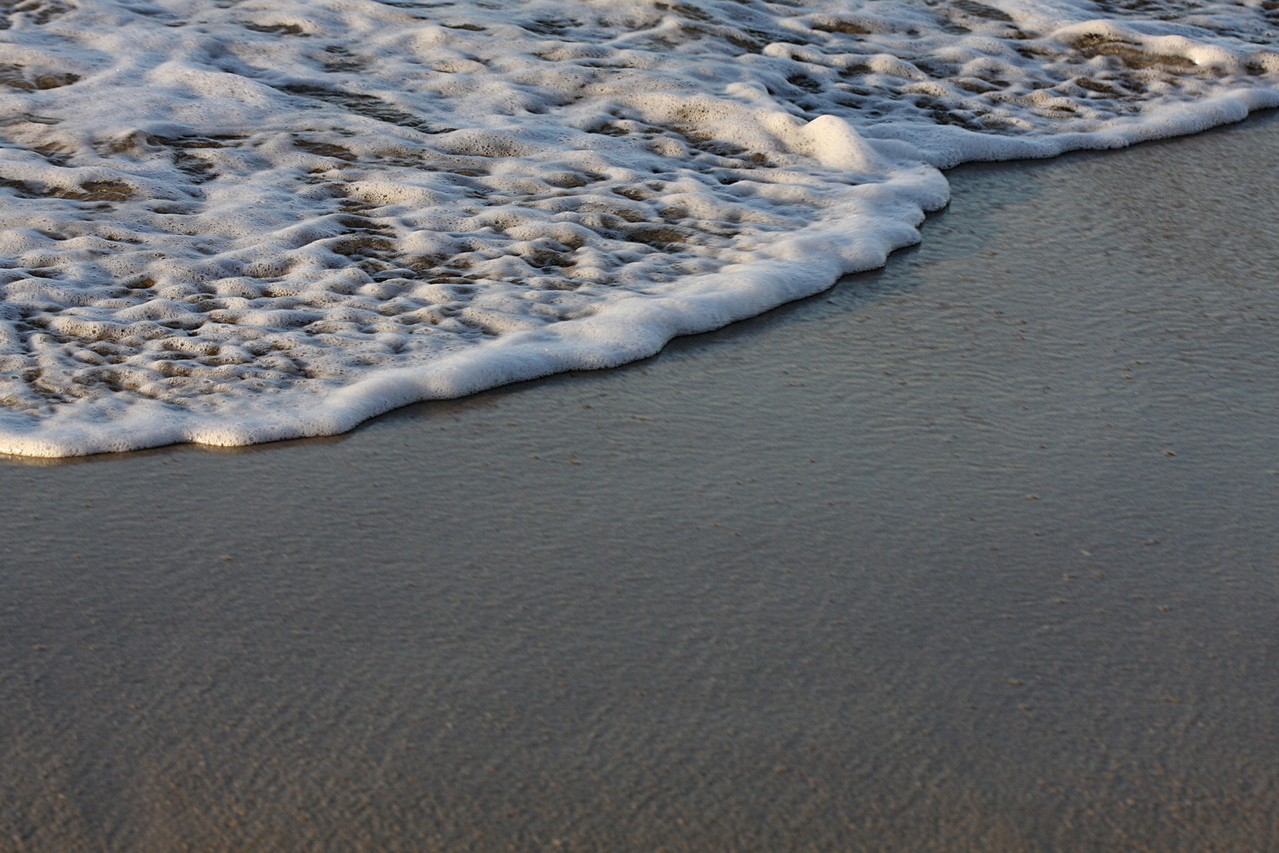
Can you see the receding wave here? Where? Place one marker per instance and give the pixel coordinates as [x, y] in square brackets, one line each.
[242, 221]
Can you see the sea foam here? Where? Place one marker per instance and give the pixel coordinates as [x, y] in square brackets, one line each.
[237, 222]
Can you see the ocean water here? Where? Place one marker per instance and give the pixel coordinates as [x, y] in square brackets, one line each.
[235, 222]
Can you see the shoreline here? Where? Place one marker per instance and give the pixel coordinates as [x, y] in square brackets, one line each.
[622, 334]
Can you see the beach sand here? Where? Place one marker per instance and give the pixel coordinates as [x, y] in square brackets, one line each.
[976, 552]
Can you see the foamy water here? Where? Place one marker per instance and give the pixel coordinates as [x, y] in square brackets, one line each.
[236, 222]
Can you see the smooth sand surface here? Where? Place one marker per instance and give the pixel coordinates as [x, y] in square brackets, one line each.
[978, 552]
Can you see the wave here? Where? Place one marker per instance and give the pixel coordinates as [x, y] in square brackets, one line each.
[239, 222]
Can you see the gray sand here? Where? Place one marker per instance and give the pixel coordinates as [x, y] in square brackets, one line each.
[978, 552]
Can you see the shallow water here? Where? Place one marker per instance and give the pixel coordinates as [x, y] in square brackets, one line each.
[307, 213]
[973, 553]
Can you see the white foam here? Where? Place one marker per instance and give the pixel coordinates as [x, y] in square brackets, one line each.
[277, 219]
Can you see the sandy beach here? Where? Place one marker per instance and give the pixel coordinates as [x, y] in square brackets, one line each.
[975, 552]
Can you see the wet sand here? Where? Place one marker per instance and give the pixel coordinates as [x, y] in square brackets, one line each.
[977, 552]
